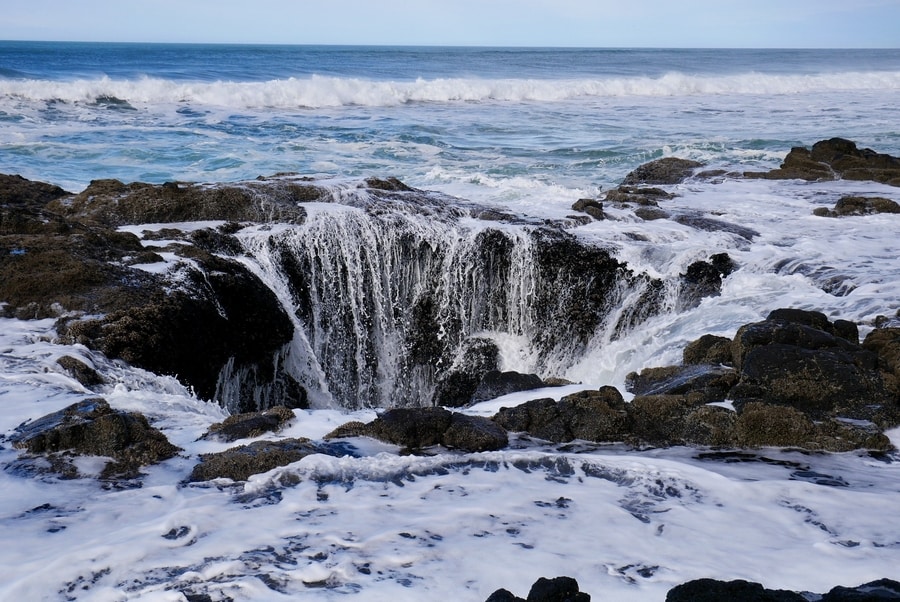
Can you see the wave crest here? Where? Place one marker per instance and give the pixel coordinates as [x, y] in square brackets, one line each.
[325, 92]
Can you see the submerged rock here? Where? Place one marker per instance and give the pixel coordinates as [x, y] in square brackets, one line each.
[250, 424]
[240, 463]
[91, 427]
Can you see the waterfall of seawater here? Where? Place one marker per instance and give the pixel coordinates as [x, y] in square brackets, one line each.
[386, 304]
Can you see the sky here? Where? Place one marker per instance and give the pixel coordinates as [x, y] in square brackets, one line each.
[588, 23]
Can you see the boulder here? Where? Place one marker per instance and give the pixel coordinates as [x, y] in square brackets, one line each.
[91, 427]
[704, 279]
[417, 428]
[591, 207]
[240, 463]
[495, 383]
[80, 371]
[474, 434]
[708, 349]
[705, 382]
[832, 159]
[885, 343]
[859, 205]
[599, 416]
[250, 424]
[668, 170]
[557, 589]
[643, 196]
[710, 590]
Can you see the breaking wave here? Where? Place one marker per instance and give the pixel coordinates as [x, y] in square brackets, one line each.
[329, 92]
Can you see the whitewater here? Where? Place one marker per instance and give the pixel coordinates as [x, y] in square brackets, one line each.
[526, 131]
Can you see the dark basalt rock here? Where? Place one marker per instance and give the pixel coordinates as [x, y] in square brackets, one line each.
[708, 349]
[708, 224]
[859, 205]
[705, 382]
[832, 159]
[704, 279]
[591, 207]
[645, 197]
[250, 424]
[228, 315]
[474, 434]
[92, 427]
[668, 170]
[712, 590]
[80, 371]
[240, 463]
[113, 203]
[477, 357]
[557, 589]
[885, 343]
[600, 416]
[417, 428]
[495, 383]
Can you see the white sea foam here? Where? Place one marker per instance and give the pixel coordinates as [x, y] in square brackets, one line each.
[322, 91]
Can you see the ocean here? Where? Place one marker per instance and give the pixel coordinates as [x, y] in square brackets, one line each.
[523, 130]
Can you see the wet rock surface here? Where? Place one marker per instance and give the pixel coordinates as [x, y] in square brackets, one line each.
[557, 589]
[833, 159]
[418, 428]
[250, 424]
[92, 428]
[240, 463]
[711, 590]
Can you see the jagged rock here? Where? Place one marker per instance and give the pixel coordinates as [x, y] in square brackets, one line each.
[250, 424]
[591, 207]
[80, 371]
[113, 203]
[668, 170]
[92, 427]
[885, 343]
[859, 205]
[227, 315]
[474, 434]
[704, 279]
[416, 428]
[413, 428]
[708, 349]
[645, 197]
[706, 382]
[495, 383]
[600, 416]
[790, 363]
[557, 589]
[874, 591]
[478, 356]
[708, 224]
[240, 463]
[832, 159]
[710, 590]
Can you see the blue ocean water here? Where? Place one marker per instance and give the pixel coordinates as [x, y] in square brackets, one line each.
[490, 123]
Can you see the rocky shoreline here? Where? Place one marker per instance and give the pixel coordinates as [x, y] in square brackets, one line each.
[797, 379]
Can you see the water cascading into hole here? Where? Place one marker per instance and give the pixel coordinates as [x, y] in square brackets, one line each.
[388, 304]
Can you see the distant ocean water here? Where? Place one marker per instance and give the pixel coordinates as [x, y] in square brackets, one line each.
[494, 124]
